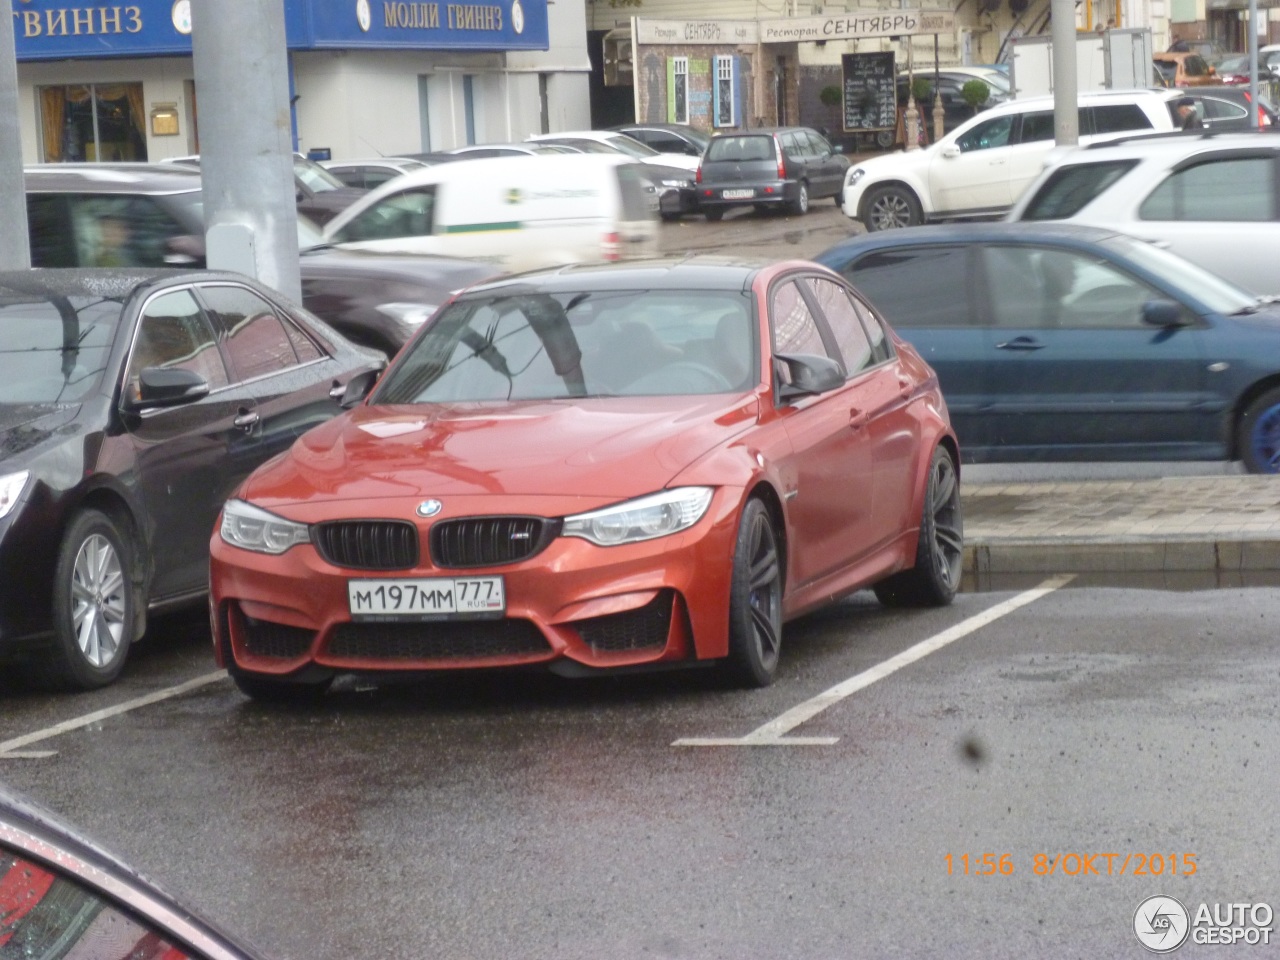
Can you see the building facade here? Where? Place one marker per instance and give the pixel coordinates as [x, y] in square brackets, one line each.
[115, 81]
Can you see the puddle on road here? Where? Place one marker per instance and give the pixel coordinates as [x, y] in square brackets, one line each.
[1179, 580]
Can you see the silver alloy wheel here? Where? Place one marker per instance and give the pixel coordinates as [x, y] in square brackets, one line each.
[802, 200]
[948, 533]
[891, 211]
[98, 600]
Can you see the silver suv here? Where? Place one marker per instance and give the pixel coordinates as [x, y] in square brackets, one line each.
[1213, 199]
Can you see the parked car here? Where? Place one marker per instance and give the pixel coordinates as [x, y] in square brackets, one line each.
[949, 83]
[980, 168]
[1211, 199]
[1224, 108]
[319, 193]
[517, 212]
[480, 151]
[1059, 342]
[769, 168]
[672, 189]
[136, 215]
[1184, 69]
[132, 402]
[668, 137]
[1234, 69]
[621, 143]
[62, 895]
[365, 174]
[593, 469]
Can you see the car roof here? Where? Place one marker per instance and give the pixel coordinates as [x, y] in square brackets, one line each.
[117, 283]
[982, 232]
[698, 272]
[1179, 142]
[1025, 104]
[123, 178]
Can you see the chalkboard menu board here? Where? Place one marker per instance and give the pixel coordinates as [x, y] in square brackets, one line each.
[870, 97]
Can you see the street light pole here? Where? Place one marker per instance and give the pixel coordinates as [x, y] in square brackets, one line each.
[15, 247]
[1066, 119]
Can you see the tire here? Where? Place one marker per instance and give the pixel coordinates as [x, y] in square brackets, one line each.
[94, 606]
[800, 206]
[669, 217]
[890, 208]
[714, 214]
[755, 601]
[933, 581]
[1259, 433]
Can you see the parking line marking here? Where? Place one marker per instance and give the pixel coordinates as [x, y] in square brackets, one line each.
[9, 749]
[773, 733]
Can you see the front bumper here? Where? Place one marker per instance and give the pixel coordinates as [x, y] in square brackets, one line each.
[659, 601]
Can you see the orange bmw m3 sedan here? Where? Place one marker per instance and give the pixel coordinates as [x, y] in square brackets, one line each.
[597, 467]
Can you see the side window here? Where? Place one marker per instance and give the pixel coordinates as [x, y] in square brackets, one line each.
[842, 318]
[1223, 190]
[377, 176]
[991, 133]
[667, 143]
[174, 333]
[794, 328]
[405, 214]
[1049, 288]
[51, 241]
[881, 345]
[917, 287]
[1215, 109]
[1119, 118]
[120, 231]
[255, 336]
[794, 146]
[1037, 126]
[46, 914]
[818, 145]
[351, 176]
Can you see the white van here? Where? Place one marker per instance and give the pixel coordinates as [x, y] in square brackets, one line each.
[519, 212]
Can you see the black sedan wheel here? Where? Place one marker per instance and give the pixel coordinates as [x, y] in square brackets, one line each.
[93, 606]
[714, 213]
[755, 600]
[889, 208]
[934, 579]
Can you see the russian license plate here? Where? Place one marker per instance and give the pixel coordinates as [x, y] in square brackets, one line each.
[737, 194]
[426, 598]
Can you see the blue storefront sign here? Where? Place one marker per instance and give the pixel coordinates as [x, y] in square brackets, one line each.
[63, 29]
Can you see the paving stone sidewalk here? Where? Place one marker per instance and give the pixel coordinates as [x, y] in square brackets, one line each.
[1219, 523]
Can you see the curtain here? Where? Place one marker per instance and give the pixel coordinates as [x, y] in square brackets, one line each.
[53, 109]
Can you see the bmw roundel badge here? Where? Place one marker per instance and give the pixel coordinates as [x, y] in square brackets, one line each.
[429, 508]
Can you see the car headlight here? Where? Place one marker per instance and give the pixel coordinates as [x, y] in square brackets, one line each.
[853, 176]
[676, 183]
[11, 485]
[411, 315]
[646, 518]
[252, 528]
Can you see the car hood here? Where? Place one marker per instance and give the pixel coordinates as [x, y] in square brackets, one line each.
[25, 427]
[607, 447]
[679, 160]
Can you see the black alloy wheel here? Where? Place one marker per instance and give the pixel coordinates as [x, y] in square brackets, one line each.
[755, 600]
[934, 579]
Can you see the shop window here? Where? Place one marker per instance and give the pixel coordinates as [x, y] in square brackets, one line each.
[726, 92]
[678, 90]
[94, 122]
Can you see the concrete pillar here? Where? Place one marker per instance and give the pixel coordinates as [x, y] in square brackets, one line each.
[246, 156]
[15, 249]
[1066, 117]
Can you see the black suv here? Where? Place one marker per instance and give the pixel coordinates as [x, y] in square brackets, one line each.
[769, 168]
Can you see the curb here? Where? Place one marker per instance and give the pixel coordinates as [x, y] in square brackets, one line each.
[1109, 555]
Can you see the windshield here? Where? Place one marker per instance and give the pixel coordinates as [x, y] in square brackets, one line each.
[1219, 295]
[631, 146]
[315, 177]
[54, 350]
[522, 346]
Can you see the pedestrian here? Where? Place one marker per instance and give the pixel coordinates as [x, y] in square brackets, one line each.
[1187, 117]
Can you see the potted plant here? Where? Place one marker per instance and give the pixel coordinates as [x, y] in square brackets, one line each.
[975, 93]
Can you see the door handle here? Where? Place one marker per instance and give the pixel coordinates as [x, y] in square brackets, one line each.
[905, 387]
[1021, 343]
[857, 419]
[246, 419]
[337, 391]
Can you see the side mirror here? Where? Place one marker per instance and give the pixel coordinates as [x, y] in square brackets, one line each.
[167, 387]
[1163, 313]
[359, 387]
[805, 375]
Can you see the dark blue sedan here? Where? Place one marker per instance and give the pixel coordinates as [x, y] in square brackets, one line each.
[1056, 342]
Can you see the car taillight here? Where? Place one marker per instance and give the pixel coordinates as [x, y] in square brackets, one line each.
[697, 177]
[782, 160]
[611, 247]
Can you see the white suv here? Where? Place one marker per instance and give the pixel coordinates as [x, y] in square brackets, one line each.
[981, 167]
[1212, 199]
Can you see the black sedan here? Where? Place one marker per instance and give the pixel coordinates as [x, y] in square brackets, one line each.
[132, 402]
[61, 895]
